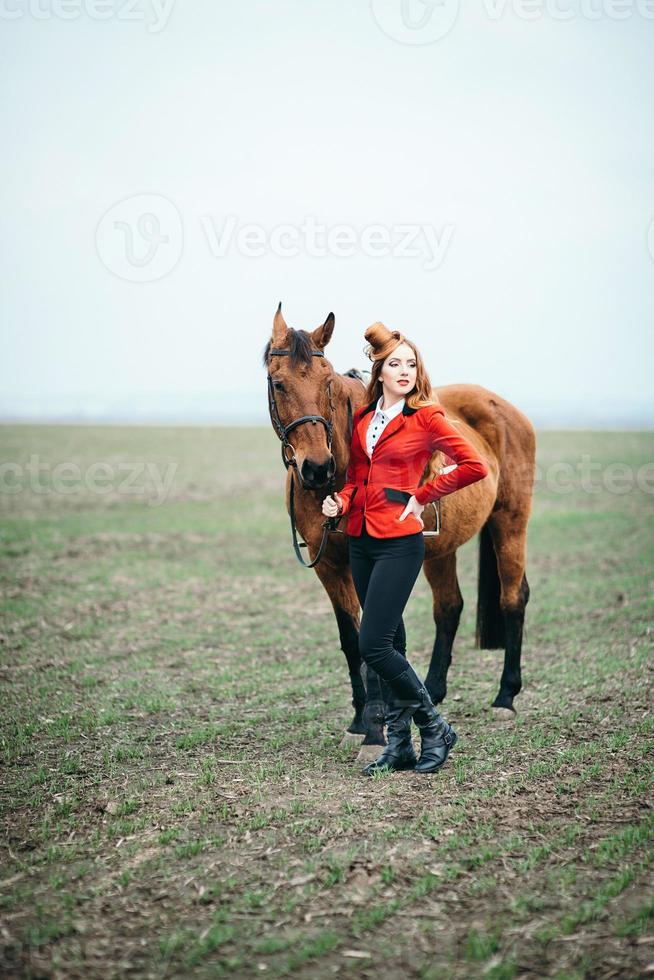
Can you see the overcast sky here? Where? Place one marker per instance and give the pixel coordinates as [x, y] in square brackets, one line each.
[481, 179]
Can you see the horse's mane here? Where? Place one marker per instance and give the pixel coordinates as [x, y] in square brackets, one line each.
[299, 344]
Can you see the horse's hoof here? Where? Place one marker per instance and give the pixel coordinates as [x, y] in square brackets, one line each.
[368, 753]
[351, 738]
[505, 715]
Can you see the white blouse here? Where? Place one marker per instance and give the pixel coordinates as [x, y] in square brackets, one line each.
[379, 421]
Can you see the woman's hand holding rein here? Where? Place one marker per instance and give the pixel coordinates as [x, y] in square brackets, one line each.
[332, 506]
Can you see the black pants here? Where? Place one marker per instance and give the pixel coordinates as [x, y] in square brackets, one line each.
[384, 571]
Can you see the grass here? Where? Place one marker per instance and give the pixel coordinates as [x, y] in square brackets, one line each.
[175, 797]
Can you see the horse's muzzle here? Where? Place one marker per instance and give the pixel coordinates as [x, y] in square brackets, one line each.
[317, 475]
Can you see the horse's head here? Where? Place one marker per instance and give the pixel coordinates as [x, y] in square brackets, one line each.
[300, 398]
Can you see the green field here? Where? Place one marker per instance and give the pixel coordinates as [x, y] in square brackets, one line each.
[176, 800]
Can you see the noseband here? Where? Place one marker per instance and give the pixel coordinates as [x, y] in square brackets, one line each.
[283, 431]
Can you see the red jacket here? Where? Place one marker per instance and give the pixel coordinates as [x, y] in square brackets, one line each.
[380, 487]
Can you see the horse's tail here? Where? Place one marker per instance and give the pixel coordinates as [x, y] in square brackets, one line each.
[490, 634]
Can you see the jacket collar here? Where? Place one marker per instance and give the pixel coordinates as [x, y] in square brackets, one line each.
[373, 405]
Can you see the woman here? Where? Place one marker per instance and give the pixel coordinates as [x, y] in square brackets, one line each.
[394, 435]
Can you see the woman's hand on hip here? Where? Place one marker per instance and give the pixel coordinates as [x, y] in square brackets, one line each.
[332, 506]
[413, 507]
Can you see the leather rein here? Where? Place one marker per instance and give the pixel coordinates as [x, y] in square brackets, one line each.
[283, 432]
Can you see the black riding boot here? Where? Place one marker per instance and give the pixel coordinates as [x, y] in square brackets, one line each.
[399, 753]
[437, 736]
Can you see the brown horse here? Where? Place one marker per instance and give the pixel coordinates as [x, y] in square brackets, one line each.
[304, 390]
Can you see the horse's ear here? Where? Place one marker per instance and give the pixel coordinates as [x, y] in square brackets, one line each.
[323, 334]
[279, 328]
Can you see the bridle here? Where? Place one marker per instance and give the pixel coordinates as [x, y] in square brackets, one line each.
[283, 432]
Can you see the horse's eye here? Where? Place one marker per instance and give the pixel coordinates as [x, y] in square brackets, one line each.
[278, 386]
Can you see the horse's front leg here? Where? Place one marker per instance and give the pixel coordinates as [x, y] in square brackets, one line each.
[367, 694]
[348, 631]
